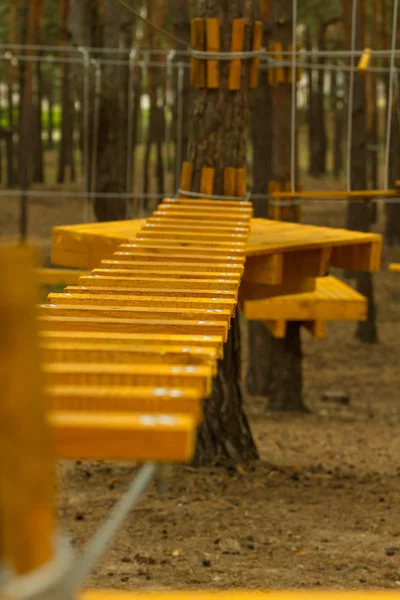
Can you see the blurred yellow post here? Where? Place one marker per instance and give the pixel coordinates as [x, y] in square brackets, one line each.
[27, 515]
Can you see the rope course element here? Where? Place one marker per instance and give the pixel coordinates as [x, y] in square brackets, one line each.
[351, 94]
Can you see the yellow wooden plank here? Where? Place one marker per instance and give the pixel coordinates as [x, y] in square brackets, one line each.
[167, 224]
[252, 294]
[133, 254]
[141, 400]
[86, 374]
[234, 205]
[332, 300]
[145, 301]
[178, 292]
[173, 327]
[156, 283]
[78, 351]
[165, 265]
[242, 595]
[27, 506]
[143, 339]
[133, 312]
[160, 249]
[148, 272]
[394, 268]
[122, 436]
[202, 215]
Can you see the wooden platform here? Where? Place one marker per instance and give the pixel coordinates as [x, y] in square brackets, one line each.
[243, 595]
[332, 300]
[275, 250]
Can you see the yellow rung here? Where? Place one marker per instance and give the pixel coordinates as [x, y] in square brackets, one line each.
[95, 352]
[86, 374]
[145, 339]
[98, 279]
[111, 325]
[132, 312]
[122, 436]
[210, 267]
[141, 400]
[145, 301]
[364, 61]
[113, 268]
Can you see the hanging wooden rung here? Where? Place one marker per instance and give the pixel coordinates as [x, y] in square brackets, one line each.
[237, 44]
[213, 45]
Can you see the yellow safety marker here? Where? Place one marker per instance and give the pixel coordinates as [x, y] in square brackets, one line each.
[59, 276]
[27, 503]
[177, 327]
[154, 283]
[122, 436]
[197, 377]
[142, 339]
[156, 266]
[179, 292]
[132, 312]
[140, 400]
[394, 267]
[86, 352]
[145, 301]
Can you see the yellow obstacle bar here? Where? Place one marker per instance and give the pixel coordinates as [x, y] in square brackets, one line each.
[364, 62]
[122, 436]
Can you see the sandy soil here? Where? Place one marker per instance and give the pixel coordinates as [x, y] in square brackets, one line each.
[321, 508]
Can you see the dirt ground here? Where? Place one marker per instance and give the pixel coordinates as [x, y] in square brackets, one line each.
[321, 507]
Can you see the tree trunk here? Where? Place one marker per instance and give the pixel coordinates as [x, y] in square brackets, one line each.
[284, 392]
[38, 169]
[112, 128]
[359, 215]
[261, 119]
[218, 139]
[392, 227]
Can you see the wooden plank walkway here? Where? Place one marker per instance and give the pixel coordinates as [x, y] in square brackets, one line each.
[141, 334]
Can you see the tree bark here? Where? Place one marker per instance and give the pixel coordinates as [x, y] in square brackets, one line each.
[218, 138]
[284, 392]
[359, 213]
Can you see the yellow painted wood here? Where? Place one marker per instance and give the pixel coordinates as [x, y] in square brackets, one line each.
[136, 254]
[59, 276]
[140, 339]
[140, 400]
[332, 300]
[250, 292]
[184, 275]
[122, 436]
[187, 215]
[92, 352]
[186, 235]
[302, 594]
[168, 224]
[163, 265]
[27, 504]
[349, 249]
[87, 374]
[145, 301]
[154, 283]
[134, 312]
[178, 292]
[113, 325]
[160, 249]
[394, 267]
[238, 206]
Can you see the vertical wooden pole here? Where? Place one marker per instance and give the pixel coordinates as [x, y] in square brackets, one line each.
[26, 484]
